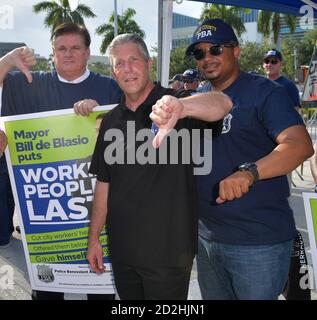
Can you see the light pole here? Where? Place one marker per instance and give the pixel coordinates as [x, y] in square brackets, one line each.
[115, 19]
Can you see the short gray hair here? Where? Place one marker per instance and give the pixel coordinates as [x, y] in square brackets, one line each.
[127, 38]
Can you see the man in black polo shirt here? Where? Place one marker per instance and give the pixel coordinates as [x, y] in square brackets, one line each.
[150, 209]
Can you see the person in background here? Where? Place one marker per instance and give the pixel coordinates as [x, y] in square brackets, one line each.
[272, 65]
[204, 86]
[177, 82]
[191, 79]
[246, 226]
[71, 85]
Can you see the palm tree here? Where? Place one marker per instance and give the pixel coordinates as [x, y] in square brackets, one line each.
[125, 25]
[271, 22]
[230, 15]
[62, 12]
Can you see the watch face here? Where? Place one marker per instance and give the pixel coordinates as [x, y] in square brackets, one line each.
[247, 166]
[252, 168]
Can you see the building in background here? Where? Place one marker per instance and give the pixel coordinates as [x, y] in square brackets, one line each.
[250, 20]
[183, 28]
[299, 32]
[100, 59]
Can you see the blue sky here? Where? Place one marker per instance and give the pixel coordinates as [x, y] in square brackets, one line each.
[27, 27]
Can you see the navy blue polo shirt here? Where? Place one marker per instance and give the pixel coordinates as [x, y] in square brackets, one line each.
[261, 110]
[290, 88]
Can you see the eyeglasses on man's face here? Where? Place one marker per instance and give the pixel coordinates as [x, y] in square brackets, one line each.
[190, 80]
[271, 61]
[213, 50]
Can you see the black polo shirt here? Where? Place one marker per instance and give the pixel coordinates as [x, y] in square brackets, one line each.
[152, 216]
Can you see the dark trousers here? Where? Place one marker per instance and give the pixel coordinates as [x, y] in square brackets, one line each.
[157, 283]
[48, 295]
[6, 208]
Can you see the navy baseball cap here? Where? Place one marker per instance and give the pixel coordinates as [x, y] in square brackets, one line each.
[213, 31]
[273, 53]
[177, 77]
[191, 74]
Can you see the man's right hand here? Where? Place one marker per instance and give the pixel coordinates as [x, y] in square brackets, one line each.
[21, 58]
[95, 257]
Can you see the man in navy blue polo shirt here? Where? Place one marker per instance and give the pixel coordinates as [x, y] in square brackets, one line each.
[246, 225]
[272, 65]
[70, 85]
[191, 79]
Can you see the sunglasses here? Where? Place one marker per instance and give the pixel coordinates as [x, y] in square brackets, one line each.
[189, 80]
[271, 61]
[214, 51]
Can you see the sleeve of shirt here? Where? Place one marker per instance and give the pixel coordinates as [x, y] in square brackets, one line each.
[98, 165]
[277, 113]
[294, 94]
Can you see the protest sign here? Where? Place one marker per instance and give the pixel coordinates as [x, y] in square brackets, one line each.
[48, 158]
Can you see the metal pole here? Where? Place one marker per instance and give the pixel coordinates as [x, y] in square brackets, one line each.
[295, 59]
[295, 63]
[160, 40]
[115, 19]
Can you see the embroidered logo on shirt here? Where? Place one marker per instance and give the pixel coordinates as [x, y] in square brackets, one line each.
[226, 123]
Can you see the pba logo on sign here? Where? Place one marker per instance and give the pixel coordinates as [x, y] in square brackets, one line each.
[45, 273]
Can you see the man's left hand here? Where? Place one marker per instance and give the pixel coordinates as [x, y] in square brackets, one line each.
[234, 186]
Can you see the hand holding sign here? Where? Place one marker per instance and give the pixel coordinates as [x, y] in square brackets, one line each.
[3, 142]
[165, 114]
[85, 107]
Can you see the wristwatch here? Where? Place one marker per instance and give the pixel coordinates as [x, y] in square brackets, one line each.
[252, 168]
